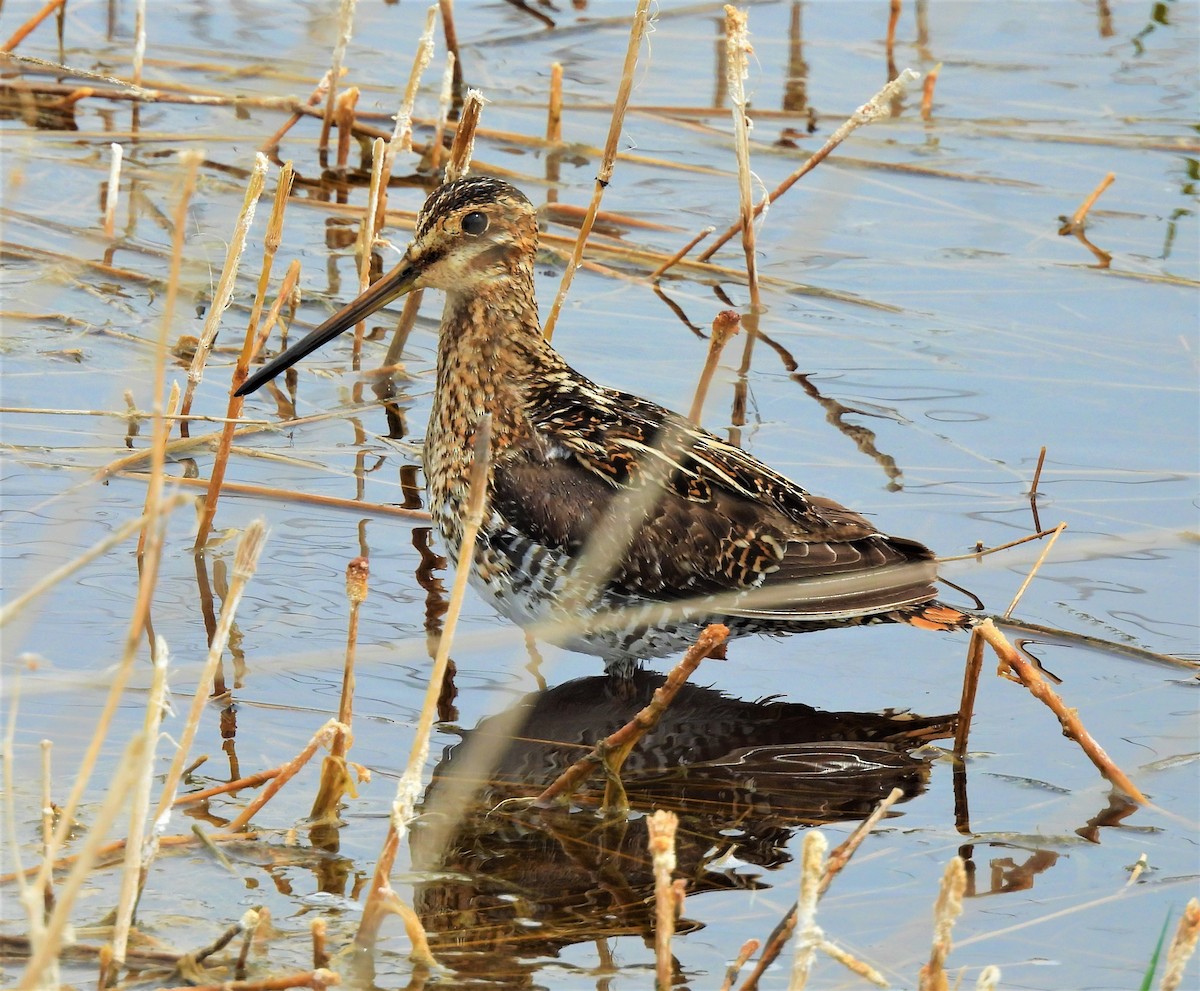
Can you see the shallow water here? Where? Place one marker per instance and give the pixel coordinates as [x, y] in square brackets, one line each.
[965, 334]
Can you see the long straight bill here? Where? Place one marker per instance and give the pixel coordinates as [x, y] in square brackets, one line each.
[396, 283]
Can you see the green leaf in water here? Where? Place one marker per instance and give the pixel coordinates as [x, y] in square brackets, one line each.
[1148, 977]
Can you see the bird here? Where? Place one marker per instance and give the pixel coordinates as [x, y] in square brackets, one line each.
[611, 524]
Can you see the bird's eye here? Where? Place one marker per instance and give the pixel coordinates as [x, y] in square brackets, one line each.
[475, 223]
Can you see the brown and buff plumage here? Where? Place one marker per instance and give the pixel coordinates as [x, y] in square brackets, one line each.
[723, 536]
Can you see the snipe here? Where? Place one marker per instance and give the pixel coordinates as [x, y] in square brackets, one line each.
[719, 536]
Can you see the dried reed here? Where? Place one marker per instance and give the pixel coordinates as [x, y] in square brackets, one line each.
[271, 242]
[381, 899]
[25, 29]
[344, 113]
[615, 748]
[463, 146]
[1072, 725]
[724, 326]
[149, 561]
[966, 705]
[249, 548]
[366, 239]
[294, 495]
[345, 29]
[1182, 946]
[156, 704]
[323, 737]
[874, 109]
[445, 98]
[401, 142]
[837, 860]
[112, 191]
[679, 255]
[224, 291]
[946, 911]
[1076, 222]
[47, 944]
[334, 773]
[608, 159]
[660, 829]
[139, 40]
[931, 78]
[749, 948]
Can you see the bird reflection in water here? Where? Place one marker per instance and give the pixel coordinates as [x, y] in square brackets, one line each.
[515, 883]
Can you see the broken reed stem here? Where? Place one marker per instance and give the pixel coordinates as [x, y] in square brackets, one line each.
[287, 295]
[618, 745]
[345, 28]
[966, 705]
[357, 573]
[931, 78]
[554, 106]
[989, 979]
[233, 410]
[661, 831]
[25, 29]
[32, 901]
[323, 737]
[607, 161]
[946, 911]
[724, 326]
[224, 292]
[107, 850]
[244, 564]
[1037, 472]
[451, 35]
[293, 495]
[190, 160]
[808, 935]
[749, 948]
[985, 551]
[334, 773]
[139, 41]
[343, 117]
[404, 326]
[318, 980]
[140, 805]
[401, 142]
[46, 582]
[366, 240]
[381, 899]
[679, 255]
[319, 951]
[874, 109]
[445, 98]
[890, 39]
[837, 860]
[271, 145]
[1182, 946]
[737, 68]
[249, 781]
[463, 145]
[1072, 726]
[1034, 570]
[112, 191]
[1078, 217]
[45, 953]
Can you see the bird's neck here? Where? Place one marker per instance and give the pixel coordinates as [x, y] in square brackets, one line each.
[490, 350]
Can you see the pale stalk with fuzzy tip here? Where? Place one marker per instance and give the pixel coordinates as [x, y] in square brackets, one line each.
[636, 32]
[156, 704]
[224, 291]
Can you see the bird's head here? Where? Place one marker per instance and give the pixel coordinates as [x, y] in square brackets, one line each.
[470, 232]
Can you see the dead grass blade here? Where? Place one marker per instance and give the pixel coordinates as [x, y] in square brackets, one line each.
[607, 161]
